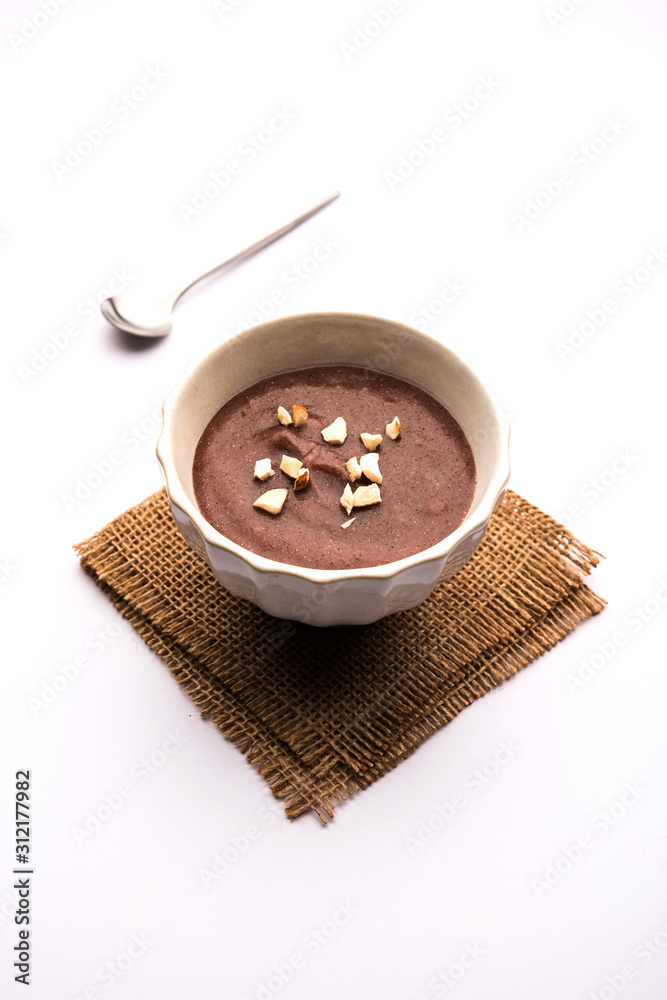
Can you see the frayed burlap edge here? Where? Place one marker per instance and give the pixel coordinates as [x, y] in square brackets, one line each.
[286, 773]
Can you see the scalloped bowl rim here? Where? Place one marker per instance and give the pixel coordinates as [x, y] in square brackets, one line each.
[472, 523]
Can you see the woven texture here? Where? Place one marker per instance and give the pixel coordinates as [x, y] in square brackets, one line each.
[322, 713]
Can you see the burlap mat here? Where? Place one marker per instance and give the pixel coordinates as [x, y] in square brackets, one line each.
[322, 713]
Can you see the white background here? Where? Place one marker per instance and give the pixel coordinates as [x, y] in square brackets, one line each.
[588, 429]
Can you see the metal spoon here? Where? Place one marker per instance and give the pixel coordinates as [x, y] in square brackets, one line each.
[154, 319]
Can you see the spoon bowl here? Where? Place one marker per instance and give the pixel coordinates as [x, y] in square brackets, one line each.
[143, 319]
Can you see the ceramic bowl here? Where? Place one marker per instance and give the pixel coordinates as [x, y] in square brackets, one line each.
[337, 596]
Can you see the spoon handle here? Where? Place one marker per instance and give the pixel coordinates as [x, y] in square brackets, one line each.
[257, 245]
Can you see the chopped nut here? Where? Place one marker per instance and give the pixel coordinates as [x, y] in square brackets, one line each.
[393, 430]
[301, 480]
[300, 414]
[354, 469]
[364, 496]
[263, 469]
[347, 524]
[370, 468]
[292, 466]
[284, 417]
[347, 499]
[336, 432]
[272, 501]
[371, 441]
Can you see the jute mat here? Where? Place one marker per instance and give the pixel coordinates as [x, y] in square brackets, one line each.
[322, 713]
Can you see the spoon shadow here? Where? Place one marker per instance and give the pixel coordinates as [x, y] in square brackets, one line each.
[131, 342]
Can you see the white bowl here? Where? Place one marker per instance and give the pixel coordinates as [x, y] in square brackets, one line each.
[337, 596]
